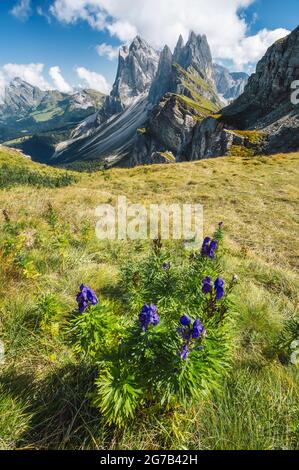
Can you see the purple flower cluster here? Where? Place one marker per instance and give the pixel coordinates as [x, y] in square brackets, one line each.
[207, 287]
[166, 266]
[148, 316]
[190, 333]
[86, 297]
[209, 248]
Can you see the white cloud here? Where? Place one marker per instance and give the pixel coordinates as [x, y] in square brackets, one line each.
[34, 74]
[22, 9]
[31, 73]
[93, 80]
[106, 50]
[161, 21]
[250, 49]
[123, 30]
[59, 81]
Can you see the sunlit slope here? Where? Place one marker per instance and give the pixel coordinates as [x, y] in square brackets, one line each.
[17, 169]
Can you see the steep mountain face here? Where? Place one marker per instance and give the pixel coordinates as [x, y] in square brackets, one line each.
[266, 103]
[188, 72]
[267, 95]
[185, 91]
[230, 85]
[19, 98]
[137, 68]
[195, 55]
[176, 111]
[168, 90]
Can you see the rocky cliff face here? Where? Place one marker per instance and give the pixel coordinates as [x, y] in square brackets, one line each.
[163, 82]
[19, 98]
[230, 85]
[137, 69]
[188, 71]
[266, 104]
[195, 55]
[163, 97]
[177, 110]
[267, 97]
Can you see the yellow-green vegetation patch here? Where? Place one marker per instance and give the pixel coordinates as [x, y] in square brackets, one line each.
[47, 114]
[169, 157]
[19, 140]
[202, 106]
[216, 116]
[254, 137]
[241, 151]
[16, 169]
[142, 130]
[192, 76]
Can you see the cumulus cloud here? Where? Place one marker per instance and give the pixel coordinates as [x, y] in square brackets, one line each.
[93, 80]
[22, 9]
[123, 30]
[31, 73]
[161, 21]
[59, 81]
[35, 75]
[106, 50]
[252, 48]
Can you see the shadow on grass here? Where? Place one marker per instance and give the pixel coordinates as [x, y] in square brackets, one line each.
[62, 417]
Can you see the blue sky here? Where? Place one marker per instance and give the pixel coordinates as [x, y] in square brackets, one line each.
[63, 35]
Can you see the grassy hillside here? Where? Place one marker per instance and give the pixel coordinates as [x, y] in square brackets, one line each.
[16, 169]
[48, 248]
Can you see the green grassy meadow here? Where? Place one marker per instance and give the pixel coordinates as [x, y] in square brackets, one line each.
[48, 248]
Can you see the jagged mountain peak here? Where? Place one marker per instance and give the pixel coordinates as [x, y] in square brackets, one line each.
[138, 42]
[137, 68]
[144, 77]
[17, 81]
[178, 48]
[196, 54]
[163, 80]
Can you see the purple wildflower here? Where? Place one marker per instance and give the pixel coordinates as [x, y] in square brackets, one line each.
[207, 285]
[185, 352]
[166, 266]
[198, 329]
[209, 248]
[148, 316]
[86, 297]
[219, 286]
[190, 334]
[185, 320]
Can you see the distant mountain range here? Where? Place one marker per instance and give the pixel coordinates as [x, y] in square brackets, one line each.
[230, 85]
[172, 106]
[27, 112]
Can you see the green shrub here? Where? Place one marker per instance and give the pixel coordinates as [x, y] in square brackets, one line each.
[176, 351]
